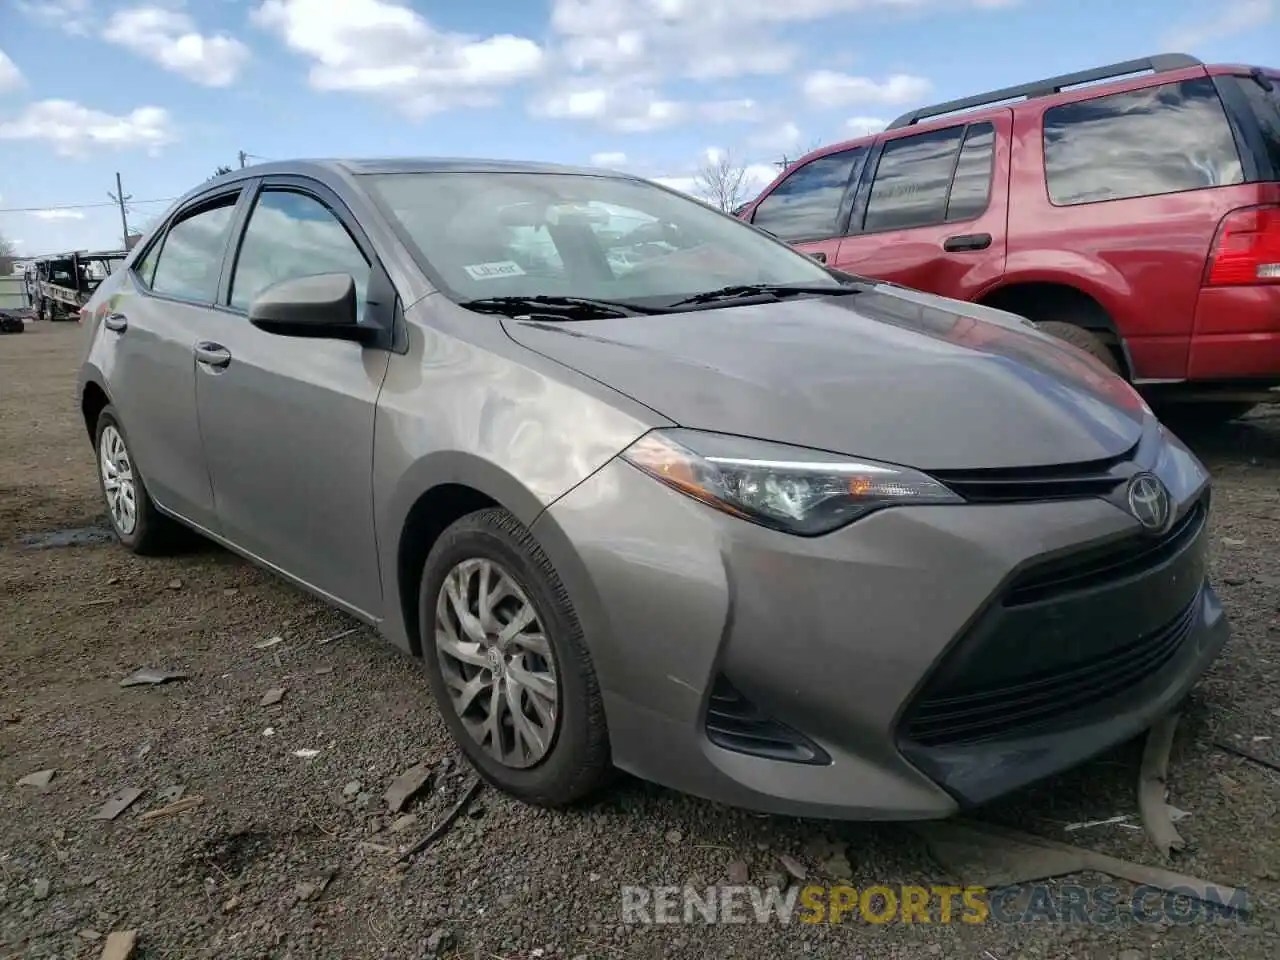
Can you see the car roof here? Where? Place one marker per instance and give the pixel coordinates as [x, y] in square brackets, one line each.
[357, 166]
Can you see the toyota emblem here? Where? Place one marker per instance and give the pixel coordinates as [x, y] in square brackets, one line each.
[1149, 501]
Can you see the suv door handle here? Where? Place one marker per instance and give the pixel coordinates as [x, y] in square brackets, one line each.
[213, 355]
[819, 256]
[969, 241]
[117, 322]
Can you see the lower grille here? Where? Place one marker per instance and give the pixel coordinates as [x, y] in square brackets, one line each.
[736, 724]
[954, 716]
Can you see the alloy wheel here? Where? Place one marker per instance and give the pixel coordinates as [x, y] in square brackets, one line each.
[497, 663]
[118, 480]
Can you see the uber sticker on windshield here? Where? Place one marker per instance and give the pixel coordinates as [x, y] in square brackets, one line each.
[492, 271]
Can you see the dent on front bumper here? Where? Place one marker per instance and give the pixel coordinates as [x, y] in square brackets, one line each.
[845, 639]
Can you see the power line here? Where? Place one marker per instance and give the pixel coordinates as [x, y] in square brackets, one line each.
[81, 206]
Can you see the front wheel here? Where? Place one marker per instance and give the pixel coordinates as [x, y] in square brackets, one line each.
[133, 515]
[508, 664]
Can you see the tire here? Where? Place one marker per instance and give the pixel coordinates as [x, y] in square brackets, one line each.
[576, 761]
[1202, 415]
[151, 532]
[1086, 340]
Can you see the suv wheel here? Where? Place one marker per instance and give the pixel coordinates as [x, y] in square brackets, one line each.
[137, 523]
[1086, 340]
[507, 662]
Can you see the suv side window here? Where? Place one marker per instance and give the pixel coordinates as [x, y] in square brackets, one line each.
[971, 185]
[1161, 139]
[912, 180]
[806, 204]
[191, 255]
[293, 235]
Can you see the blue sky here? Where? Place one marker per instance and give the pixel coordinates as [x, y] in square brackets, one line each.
[165, 91]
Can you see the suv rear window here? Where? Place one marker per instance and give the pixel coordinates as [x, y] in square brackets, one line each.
[1143, 143]
[1264, 105]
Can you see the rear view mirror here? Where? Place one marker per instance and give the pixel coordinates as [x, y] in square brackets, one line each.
[323, 305]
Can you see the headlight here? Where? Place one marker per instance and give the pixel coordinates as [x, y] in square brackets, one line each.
[800, 491]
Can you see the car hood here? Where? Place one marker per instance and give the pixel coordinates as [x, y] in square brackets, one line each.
[886, 374]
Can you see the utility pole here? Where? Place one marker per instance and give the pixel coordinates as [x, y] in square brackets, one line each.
[242, 159]
[120, 197]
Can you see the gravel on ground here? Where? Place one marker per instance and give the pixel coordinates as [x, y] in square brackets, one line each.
[284, 752]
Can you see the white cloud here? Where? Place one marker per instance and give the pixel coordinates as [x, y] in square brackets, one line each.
[10, 75]
[783, 137]
[384, 48]
[608, 159]
[865, 126]
[827, 88]
[642, 46]
[69, 16]
[71, 128]
[171, 39]
[618, 106]
[58, 214]
[1231, 18]
[626, 107]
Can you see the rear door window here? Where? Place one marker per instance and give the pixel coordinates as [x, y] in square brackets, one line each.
[1143, 143]
[912, 181]
[806, 205]
[190, 263]
[971, 185]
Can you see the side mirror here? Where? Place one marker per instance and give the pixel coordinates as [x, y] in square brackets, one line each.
[323, 305]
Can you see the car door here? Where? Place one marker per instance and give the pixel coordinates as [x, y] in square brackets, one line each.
[153, 321]
[930, 212]
[808, 207]
[288, 421]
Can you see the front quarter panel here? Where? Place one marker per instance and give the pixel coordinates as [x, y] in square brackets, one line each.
[467, 405]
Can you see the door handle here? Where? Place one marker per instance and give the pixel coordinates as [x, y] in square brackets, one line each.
[213, 355]
[969, 241]
[116, 322]
[819, 256]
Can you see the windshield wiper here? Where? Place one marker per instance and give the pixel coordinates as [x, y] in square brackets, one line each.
[738, 291]
[577, 308]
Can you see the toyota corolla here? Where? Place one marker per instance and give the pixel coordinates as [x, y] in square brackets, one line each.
[647, 490]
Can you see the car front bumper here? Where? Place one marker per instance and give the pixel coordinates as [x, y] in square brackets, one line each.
[921, 660]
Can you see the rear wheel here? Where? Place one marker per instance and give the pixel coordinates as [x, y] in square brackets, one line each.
[1086, 340]
[508, 664]
[133, 515]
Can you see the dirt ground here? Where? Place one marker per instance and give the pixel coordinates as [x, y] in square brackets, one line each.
[293, 856]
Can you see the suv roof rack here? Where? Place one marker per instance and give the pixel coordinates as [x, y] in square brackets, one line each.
[1161, 63]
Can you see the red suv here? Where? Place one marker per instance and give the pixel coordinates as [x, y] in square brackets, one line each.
[1133, 210]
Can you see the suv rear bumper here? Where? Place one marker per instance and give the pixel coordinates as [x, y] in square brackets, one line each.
[1236, 334]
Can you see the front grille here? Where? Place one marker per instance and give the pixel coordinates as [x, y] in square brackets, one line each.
[1128, 558]
[954, 716]
[736, 724]
[1074, 481]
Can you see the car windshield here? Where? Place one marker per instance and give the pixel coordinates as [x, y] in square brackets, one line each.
[483, 235]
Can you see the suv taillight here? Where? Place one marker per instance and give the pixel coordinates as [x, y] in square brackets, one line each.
[1247, 248]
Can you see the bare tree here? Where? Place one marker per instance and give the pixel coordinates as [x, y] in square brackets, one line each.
[721, 181]
[6, 247]
[788, 160]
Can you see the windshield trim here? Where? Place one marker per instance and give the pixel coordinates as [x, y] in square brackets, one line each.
[423, 263]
